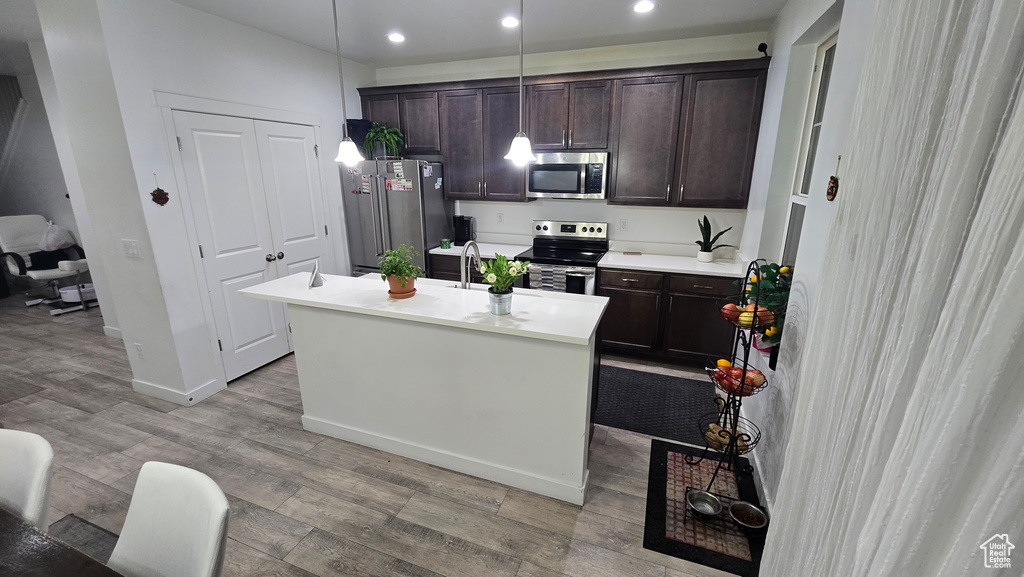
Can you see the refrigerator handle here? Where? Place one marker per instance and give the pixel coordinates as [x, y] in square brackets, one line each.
[384, 212]
[374, 216]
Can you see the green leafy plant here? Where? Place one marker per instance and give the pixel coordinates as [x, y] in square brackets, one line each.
[707, 243]
[391, 138]
[398, 262]
[501, 274]
[771, 289]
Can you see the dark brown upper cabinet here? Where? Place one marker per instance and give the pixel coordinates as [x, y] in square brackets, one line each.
[477, 127]
[420, 122]
[503, 180]
[569, 115]
[462, 143]
[548, 122]
[382, 109]
[721, 119]
[590, 111]
[645, 133]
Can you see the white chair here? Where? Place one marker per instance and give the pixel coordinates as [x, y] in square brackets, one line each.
[177, 525]
[19, 238]
[26, 461]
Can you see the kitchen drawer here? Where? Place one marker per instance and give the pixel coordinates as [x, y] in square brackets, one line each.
[631, 279]
[702, 285]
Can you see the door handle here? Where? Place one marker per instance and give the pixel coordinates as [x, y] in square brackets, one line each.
[378, 238]
[271, 258]
[280, 255]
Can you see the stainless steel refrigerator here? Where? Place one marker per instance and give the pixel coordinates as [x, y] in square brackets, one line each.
[393, 202]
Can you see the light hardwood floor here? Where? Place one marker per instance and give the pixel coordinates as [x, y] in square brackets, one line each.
[302, 503]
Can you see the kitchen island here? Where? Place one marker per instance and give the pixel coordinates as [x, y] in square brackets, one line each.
[439, 379]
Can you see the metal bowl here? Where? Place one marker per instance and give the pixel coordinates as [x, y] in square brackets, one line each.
[747, 516]
[703, 504]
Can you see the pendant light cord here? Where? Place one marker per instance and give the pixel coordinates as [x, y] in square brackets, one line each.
[521, 25]
[341, 78]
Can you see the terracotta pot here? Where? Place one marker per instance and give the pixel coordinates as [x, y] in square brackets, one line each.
[396, 285]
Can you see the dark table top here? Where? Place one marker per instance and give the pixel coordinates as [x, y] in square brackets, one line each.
[25, 552]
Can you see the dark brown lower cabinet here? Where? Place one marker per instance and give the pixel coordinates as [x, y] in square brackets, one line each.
[631, 319]
[446, 267]
[665, 316]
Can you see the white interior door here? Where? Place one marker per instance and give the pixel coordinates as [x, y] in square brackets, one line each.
[221, 161]
[291, 179]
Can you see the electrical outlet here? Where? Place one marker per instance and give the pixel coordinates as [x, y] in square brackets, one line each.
[131, 248]
[623, 225]
[501, 218]
[138, 350]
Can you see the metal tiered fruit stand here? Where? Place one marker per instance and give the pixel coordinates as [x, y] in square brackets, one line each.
[725, 431]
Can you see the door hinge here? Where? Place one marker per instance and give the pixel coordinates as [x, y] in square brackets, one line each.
[201, 251]
[178, 138]
[220, 345]
[316, 150]
[289, 327]
[325, 231]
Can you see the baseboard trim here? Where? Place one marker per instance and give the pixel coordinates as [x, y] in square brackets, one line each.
[186, 399]
[490, 471]
[112, 332]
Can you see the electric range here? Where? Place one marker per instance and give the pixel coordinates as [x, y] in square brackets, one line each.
[565, 254]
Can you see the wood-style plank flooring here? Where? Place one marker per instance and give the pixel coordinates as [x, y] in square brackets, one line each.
[304, 504]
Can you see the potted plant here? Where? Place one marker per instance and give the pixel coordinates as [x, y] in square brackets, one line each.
[390, 138]
[501, 275]
[707, 243]
[772, 286]
[397, 267]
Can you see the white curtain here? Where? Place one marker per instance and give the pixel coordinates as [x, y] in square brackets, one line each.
[907, 448]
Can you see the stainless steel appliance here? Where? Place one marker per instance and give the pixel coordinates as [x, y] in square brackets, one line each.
[393, 202]
[576, 175]
[565, 254]
[463, 229]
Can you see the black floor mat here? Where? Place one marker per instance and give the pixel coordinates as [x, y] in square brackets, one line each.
[657, 405]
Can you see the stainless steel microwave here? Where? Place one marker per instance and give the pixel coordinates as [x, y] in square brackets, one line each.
[578, 175]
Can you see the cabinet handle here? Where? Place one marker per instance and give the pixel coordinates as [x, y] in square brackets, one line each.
[563, 138]
[485, 188]
[570, 137]
[478, 189]
[631, 279]
[703, 286]
[668, 191]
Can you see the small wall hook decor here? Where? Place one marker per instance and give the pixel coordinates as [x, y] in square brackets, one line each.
[763, 48]
[833, 183]
[159, 195]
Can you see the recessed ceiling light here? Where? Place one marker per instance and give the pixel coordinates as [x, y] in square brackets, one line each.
[396, 37]
[643, 6]
[510, 22]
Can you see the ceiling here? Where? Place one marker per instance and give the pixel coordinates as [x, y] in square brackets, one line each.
[19, 24]
[449, 30]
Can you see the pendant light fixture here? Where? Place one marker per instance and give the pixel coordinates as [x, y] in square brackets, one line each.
[521, 152]
[348, 152]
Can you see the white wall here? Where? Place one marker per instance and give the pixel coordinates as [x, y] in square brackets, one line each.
[801, 26]
[708, 49]
[31, 181]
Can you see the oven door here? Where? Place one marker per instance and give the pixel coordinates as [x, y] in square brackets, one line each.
[561, 278]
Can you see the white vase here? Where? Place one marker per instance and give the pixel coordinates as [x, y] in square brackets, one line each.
[705, 256]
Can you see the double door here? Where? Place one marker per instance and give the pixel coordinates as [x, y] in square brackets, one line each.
[255, 193]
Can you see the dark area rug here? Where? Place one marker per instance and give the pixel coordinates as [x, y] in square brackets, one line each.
[94, 541]
[656, 405]
[670, 529]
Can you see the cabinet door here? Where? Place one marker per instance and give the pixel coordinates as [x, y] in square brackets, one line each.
[382, 109]
[631, 319]
[720, 126]
[420, 123]
[503, 180]
[590, 110]
[695, 328]
[462, 144]
[548, 115]
[645, 131]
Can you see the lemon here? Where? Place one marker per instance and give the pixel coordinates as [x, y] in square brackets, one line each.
[784, 270]
[753, 278]
[723, 364]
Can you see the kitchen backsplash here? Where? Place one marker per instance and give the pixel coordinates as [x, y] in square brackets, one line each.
[658, 230]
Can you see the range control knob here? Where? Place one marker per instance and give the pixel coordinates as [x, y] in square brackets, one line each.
[599, 230]
[591, 229]
[538, 227]
[545, 227]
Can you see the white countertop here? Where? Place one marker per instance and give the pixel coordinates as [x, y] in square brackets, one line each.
[673, 264]
[562, 317]
[487, 250]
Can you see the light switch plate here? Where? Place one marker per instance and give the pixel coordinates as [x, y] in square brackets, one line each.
[131, 248]
[623, 224]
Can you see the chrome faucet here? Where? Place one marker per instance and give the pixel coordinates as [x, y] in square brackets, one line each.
[464, 274]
